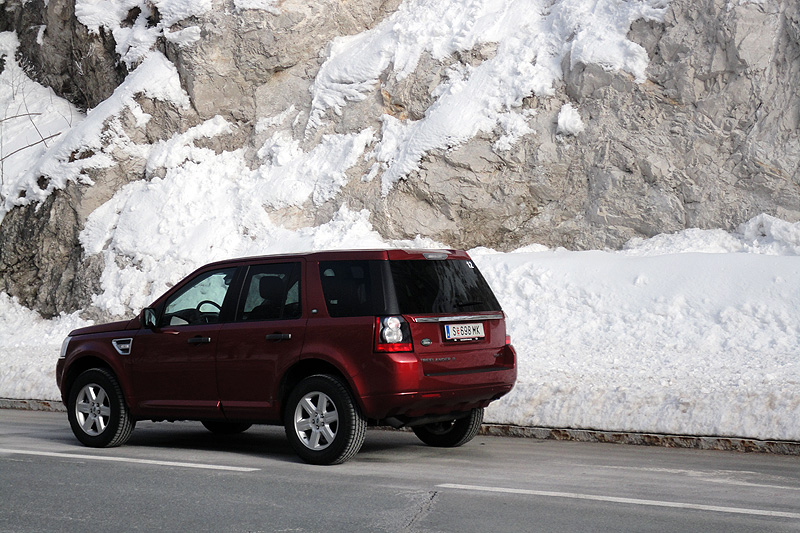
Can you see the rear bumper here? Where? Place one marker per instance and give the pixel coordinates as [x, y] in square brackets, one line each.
[442, 395]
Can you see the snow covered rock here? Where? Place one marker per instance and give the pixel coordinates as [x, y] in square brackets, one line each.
[440, 118]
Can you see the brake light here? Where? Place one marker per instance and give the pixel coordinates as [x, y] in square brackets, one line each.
[392, 334]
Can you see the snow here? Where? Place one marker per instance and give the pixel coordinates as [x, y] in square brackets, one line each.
[318, 175]
[694, 332]
[210, 206]
[524, 43]
[33, 120]
[532, 38]
[266, 5]
[569, 120]
[695, 343]
[91, 138]
[29, 347]
[131, 23]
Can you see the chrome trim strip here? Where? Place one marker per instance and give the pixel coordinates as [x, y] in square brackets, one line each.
[461, 318]
[470, 371]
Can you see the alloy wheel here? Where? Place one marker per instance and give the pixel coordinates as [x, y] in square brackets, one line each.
[316, 420]
[93, 409]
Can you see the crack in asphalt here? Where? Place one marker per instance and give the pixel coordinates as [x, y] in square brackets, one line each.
[424, 509]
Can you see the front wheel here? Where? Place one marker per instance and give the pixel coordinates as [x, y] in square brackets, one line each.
[452, 433]
[323, 423]
[97, 411]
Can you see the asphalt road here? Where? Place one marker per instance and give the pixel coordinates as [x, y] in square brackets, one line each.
[179, 477]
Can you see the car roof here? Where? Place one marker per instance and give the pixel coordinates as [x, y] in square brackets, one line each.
[341, 255]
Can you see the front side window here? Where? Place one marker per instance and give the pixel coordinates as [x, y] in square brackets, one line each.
[271, 292]
[451, 286]
[200, 301]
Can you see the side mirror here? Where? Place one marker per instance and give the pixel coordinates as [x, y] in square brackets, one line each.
[149, 318]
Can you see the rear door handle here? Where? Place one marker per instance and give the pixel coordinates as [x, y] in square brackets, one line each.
[279, 336]
[199, 340]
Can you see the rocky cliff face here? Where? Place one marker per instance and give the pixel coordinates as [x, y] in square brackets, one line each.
[709, 137]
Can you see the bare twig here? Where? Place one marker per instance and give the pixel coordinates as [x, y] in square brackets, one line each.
[42, 140]
[20, 116]
[30, 117]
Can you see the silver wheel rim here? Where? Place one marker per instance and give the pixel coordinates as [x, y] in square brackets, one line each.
[93, 409]
[316, 421]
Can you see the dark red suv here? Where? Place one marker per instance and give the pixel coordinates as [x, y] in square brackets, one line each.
[324, 343]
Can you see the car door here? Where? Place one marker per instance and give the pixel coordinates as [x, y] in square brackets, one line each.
[265, 337]
[173, 365]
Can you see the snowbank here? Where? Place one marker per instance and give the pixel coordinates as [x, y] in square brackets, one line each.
[647, 339]
[698, 344]
[660, 337]
[29, 348]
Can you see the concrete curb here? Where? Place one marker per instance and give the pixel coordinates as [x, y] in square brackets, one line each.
[32, 405]
[738, 444]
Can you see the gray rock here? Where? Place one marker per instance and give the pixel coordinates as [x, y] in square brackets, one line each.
[80, 67]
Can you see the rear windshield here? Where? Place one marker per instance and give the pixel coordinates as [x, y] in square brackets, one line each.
[450, 286]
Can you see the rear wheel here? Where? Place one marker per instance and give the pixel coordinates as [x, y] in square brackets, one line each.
[452, 433]
[97, 411]
[323, 423]
[225, 428]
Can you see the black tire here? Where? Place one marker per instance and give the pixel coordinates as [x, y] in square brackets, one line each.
[323, 423]
[453, 433]
[97, 411]
[219, 427]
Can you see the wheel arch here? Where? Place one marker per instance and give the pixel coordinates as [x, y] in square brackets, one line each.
[310, 367]
[83, 363]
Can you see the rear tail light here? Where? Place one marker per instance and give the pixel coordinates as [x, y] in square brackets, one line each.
[508, 339]
[392, 334]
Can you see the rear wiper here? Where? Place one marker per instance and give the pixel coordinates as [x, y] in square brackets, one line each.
[465, 304]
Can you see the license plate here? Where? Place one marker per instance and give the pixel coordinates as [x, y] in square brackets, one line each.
[457, 332]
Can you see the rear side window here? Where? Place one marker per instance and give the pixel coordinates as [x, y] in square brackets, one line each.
[271, 292]
[450, 286]
[348, 287]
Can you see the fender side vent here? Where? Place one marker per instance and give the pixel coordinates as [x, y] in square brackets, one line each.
[123, 346]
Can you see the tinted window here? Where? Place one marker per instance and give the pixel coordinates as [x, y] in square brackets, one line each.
[200, 301]
[348, 288]
[441, 287]
[271, 292]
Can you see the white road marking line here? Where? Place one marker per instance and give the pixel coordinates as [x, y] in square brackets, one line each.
[129, 460]
[632, 501]
[710, 476]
